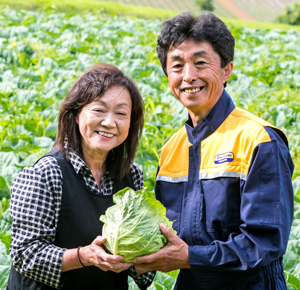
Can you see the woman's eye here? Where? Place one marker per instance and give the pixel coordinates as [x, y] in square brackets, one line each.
[121, 113]
[99, 111]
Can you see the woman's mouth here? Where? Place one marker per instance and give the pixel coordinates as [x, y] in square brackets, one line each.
[107, 135]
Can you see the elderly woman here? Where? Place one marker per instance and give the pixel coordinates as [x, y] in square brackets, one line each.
[56, 204]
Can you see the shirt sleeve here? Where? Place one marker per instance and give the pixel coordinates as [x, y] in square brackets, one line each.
[266, 212]
[34, 207]
[143, 280]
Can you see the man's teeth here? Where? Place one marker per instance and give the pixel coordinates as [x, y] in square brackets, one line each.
[194, 90]
[109, 135]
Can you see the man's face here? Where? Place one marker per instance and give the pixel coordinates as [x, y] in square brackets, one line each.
[195, 76]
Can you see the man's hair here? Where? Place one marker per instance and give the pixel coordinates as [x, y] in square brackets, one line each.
[91, 86]
[206, 26]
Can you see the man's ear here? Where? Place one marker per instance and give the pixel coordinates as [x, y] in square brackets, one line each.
[227, 71]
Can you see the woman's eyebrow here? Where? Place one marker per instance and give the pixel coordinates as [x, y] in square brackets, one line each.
[118, 105]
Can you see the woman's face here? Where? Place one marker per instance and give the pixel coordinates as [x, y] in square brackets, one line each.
[104, 124]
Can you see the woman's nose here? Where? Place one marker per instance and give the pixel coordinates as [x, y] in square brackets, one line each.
[108, 120]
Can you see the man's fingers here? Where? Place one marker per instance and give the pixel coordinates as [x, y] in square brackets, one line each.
[147, 259]
[171, 237]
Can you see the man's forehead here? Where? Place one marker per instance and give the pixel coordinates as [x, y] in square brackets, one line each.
[190, 46]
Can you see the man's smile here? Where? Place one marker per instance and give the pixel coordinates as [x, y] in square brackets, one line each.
[192, 90]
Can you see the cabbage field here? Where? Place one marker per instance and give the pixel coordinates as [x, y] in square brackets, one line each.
[41, 54]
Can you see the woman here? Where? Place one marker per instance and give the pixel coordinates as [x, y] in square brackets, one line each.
[56, 204]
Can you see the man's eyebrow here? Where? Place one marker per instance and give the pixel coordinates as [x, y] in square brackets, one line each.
[176, 57]
[198, 53]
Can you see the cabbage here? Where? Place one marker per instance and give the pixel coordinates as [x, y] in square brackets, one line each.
[131, 226]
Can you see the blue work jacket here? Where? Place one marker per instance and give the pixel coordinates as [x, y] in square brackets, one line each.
[226, 184]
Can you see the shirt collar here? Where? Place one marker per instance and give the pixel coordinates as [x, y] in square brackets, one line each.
[77, 162]
[210, 124]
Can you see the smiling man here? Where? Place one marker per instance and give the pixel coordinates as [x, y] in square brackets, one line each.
[225, 177]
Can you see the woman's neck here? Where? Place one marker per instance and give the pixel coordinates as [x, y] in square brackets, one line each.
[97, 165]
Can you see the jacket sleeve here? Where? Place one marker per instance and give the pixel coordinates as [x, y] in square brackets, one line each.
[266, 214]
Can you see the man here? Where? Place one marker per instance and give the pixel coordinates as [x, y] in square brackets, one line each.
[225, 177]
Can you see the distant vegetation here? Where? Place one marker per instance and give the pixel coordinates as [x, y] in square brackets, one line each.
[291, 15]
[206, 5]
[89, 6]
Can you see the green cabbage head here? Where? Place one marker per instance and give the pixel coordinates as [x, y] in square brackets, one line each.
[131, 226]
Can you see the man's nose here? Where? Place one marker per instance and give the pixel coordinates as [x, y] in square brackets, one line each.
[189, 73]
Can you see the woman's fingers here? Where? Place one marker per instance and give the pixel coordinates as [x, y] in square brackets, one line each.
[103, 260]
[99, 240]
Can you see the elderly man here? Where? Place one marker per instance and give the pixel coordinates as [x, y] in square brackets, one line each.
[225, 177]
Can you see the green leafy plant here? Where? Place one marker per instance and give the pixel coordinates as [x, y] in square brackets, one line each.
[131, 226]
[206, 5]
[291, 15]
[42, 53]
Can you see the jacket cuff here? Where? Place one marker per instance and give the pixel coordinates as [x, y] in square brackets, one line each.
[200, 256]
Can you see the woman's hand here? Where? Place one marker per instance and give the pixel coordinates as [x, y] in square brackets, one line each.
[93, 255]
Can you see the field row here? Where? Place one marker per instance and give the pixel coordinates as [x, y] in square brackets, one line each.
[255, 10]
[41, 55]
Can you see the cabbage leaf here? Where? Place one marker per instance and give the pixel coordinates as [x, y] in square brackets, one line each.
[131, 226]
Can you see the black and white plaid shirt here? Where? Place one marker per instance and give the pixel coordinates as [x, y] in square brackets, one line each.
[34, 206]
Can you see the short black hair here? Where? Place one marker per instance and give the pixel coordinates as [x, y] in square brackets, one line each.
[206, 26]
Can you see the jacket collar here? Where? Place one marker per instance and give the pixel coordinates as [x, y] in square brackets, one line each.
[210, 124]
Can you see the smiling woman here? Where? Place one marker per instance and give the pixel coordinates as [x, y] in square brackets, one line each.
[93, 92]
[55, 229]
[104, 124]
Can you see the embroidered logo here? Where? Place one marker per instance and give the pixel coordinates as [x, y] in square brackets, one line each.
[224, 157]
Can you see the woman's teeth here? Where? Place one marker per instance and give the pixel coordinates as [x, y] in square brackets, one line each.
[108, 135]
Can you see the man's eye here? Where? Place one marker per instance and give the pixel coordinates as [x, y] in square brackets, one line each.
[200, 62]
[178, 65]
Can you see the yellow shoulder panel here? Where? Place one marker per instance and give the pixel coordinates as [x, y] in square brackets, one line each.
[174, 158]
[228, 151]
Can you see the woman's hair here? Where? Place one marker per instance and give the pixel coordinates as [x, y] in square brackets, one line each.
[90, 87]
[207, 27]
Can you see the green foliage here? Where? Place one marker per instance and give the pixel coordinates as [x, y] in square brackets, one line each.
[206, 5]
[292, 256]
[41, 55]
[131, 226]
[291, 15]
[5, 241]
[101, 8]
[162, 281]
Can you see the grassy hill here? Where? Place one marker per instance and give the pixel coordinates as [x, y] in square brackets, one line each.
[257, 10]
[140, 9]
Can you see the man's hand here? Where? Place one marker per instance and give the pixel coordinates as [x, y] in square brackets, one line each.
[173, 256]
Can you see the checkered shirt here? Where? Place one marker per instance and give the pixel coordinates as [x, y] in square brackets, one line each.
[34, 206]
